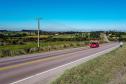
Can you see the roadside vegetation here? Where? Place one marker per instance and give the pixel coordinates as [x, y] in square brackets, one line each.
[14, 43]
[25, 42]
[30, 47]
[107, 69]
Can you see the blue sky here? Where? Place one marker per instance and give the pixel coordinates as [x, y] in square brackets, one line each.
[63, 15]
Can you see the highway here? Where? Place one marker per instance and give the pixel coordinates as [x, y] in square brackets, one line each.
[20, 67]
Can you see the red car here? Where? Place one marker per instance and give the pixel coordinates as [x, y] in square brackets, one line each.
[94, 45]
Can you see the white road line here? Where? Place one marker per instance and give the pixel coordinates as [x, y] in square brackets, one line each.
[77, 61]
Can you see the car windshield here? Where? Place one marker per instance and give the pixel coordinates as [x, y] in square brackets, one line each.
[93, 43]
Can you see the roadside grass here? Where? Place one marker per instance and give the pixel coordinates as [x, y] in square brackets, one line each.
[107, 69]
[34, 44]
[31, 47]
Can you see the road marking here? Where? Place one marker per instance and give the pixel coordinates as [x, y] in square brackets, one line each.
[26, 63]
[35, 61]
[88, 58]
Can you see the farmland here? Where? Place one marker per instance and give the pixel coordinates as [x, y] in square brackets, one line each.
[14, 43]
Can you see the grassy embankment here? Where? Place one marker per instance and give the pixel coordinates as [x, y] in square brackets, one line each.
[107, 69]
[31, 47]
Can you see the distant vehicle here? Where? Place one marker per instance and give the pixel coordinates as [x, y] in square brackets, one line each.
[121, 44]
[94, 45]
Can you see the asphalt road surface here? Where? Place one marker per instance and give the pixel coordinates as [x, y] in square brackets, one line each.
[19, 67]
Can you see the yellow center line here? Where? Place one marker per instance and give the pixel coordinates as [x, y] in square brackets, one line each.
[31, 62]
[27, 63]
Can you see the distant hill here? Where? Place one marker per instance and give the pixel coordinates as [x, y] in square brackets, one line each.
[3, 31]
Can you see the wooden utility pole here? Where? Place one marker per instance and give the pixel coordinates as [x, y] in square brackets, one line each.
[38, 19]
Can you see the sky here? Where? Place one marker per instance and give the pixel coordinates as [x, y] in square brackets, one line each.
[63, 15]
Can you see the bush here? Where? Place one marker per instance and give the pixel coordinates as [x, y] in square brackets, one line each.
[31, 50]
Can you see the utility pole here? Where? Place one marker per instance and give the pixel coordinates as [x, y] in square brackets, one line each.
[38, 21]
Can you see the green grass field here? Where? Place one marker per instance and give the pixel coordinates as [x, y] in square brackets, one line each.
[41, 36]
[107, 69]
[54, 36]
[123, 36]
[65, 36]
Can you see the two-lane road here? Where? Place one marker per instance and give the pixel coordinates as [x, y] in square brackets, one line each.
[14, 69]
